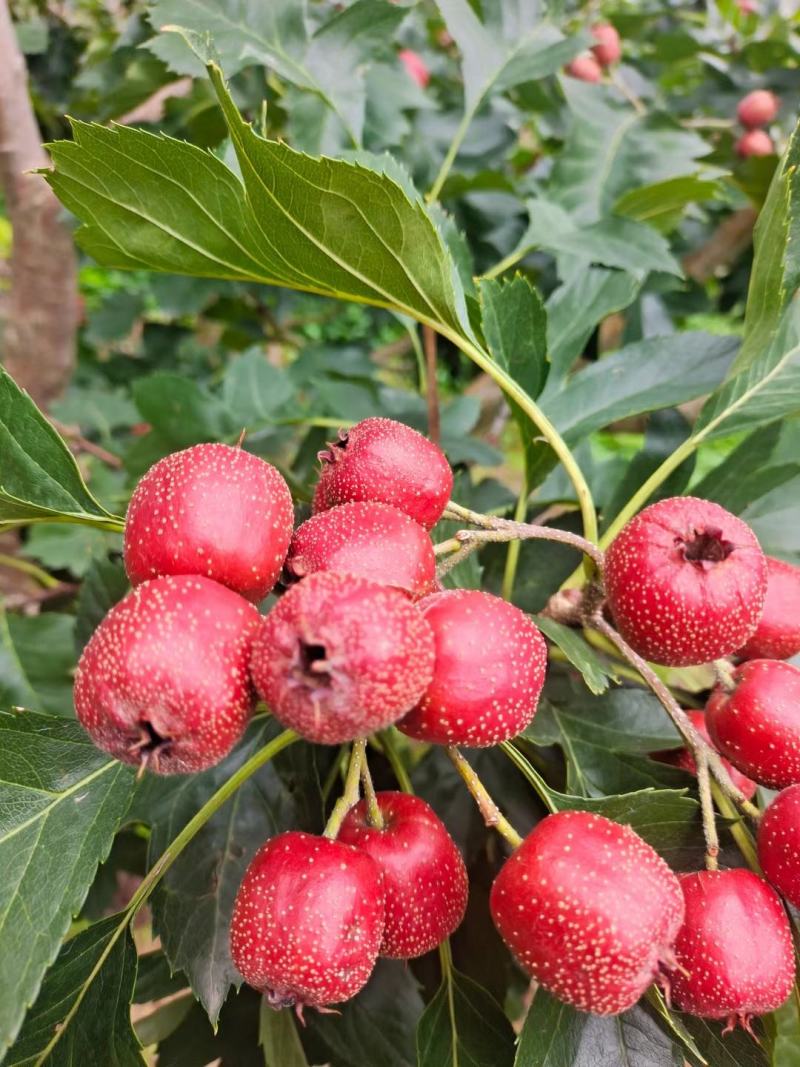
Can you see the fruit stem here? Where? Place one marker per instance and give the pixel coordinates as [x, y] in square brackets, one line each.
[386, 739]
[679, 717]
[723, 669]
[374, 814]
[707, 809]
[512, 555]
[739, 831]
[47, 581]
[458, 557]
[486, 805]
[350, 794]
[522, 764]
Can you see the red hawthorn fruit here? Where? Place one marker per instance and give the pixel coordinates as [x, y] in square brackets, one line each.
[423, 872]
[734, 949]
[385, 461]
[488, 673]
[585, 69]
[608, 49]
[589, 909]
[683, 758]
[367, 539]
[685, 581]
[758, 108]
[777, 635]
[164, 680]
[754, 143]
[339, 657]
[415, 66]
[757, 726]
[308, 921]
[779, 844]
[213, 510]
[747, 7]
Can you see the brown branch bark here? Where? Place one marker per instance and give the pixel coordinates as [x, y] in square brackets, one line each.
[721, 251]
[41, 311]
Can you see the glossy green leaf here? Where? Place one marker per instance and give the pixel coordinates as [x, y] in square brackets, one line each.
[82, 1014]
[277, 1035]
[105, 584]
[661, 204]
[182, 412]
[765, 460]
[464, 1026]
[39, 478]
[61, 802]
[37, 660]
[596, 672]
[254, 391]
[515, 328]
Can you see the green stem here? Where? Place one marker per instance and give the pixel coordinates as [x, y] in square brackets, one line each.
[512, 556]
[386, 738]
[533, 776]
[482, 797]
[374, 813]
[446, 962]
[506, 262]
[350, 794]
[452, 152]
[739, 831]
[42, 577]
[162, 865]
[538, 418]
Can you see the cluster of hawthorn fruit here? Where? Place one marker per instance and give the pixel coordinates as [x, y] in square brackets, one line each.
[362, 635]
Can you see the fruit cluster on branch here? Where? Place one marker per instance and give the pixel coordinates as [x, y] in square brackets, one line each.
[363, 636]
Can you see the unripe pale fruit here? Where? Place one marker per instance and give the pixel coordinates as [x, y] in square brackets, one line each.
[734, 949]
[212, 510]
[758, 108]
[416, 66]
[685, 581]
[308, 921]
[585, 69]
[164, 680]
[608, 49]
[589, 909]
[683, 758]
[757, 726]
[488, 674]
[754, 143]
[777, 635]
[339, 657]
[424, 875]
[369, 540]
[779, 844]
[384, 460]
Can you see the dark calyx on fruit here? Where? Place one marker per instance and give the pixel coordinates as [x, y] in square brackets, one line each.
[706, 547]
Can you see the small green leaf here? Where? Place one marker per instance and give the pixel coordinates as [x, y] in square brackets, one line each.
[39, 478]
[29, 678]
[515, 328]
[82, 1014]
[105, 584]
[61, 802]
[253, 390]
[464, 1026]
[277, 1035]
[182, 412]
[661, 204]
[596, 672]
[552, 1034]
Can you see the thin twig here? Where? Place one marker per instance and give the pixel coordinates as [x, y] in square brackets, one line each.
[432, 384]
[374, 813]
[707, 809]
[492, 816]
[81, 444]
[350, 794]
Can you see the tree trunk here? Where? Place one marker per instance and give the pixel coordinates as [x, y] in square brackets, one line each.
[41, 309]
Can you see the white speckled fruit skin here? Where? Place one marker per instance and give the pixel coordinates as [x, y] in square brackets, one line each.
[779, 844]
[384, 460]
[777, 635]
[213, 510]
[675, 611]
[424, 874]
[367, 539]
[378, 650]
[308, 920]
[589, 910]
[735, 946]
[489, 671]
[173, 653]
[757, 726]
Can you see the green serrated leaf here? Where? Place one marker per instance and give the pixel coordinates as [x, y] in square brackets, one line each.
[596, 672]
[464, 1026]
[515, 328]
[39, 478]
[82, 1013]
[61, 802]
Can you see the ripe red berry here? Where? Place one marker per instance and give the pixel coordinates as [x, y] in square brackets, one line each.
[164, 680]
[383, 460]
[589, 909]
[608, 49]
[685, 581]
[488, 674]
[423, 872]
[370, 540]
[213, 510]
[758, 108]
[777, 635]
[585, 69]
[683, 758]
[757, 726]
[339, 657]
[308, 921]
[416, 66]
[779, 844]
[734, 949]
[747, 7]
[754, 143]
